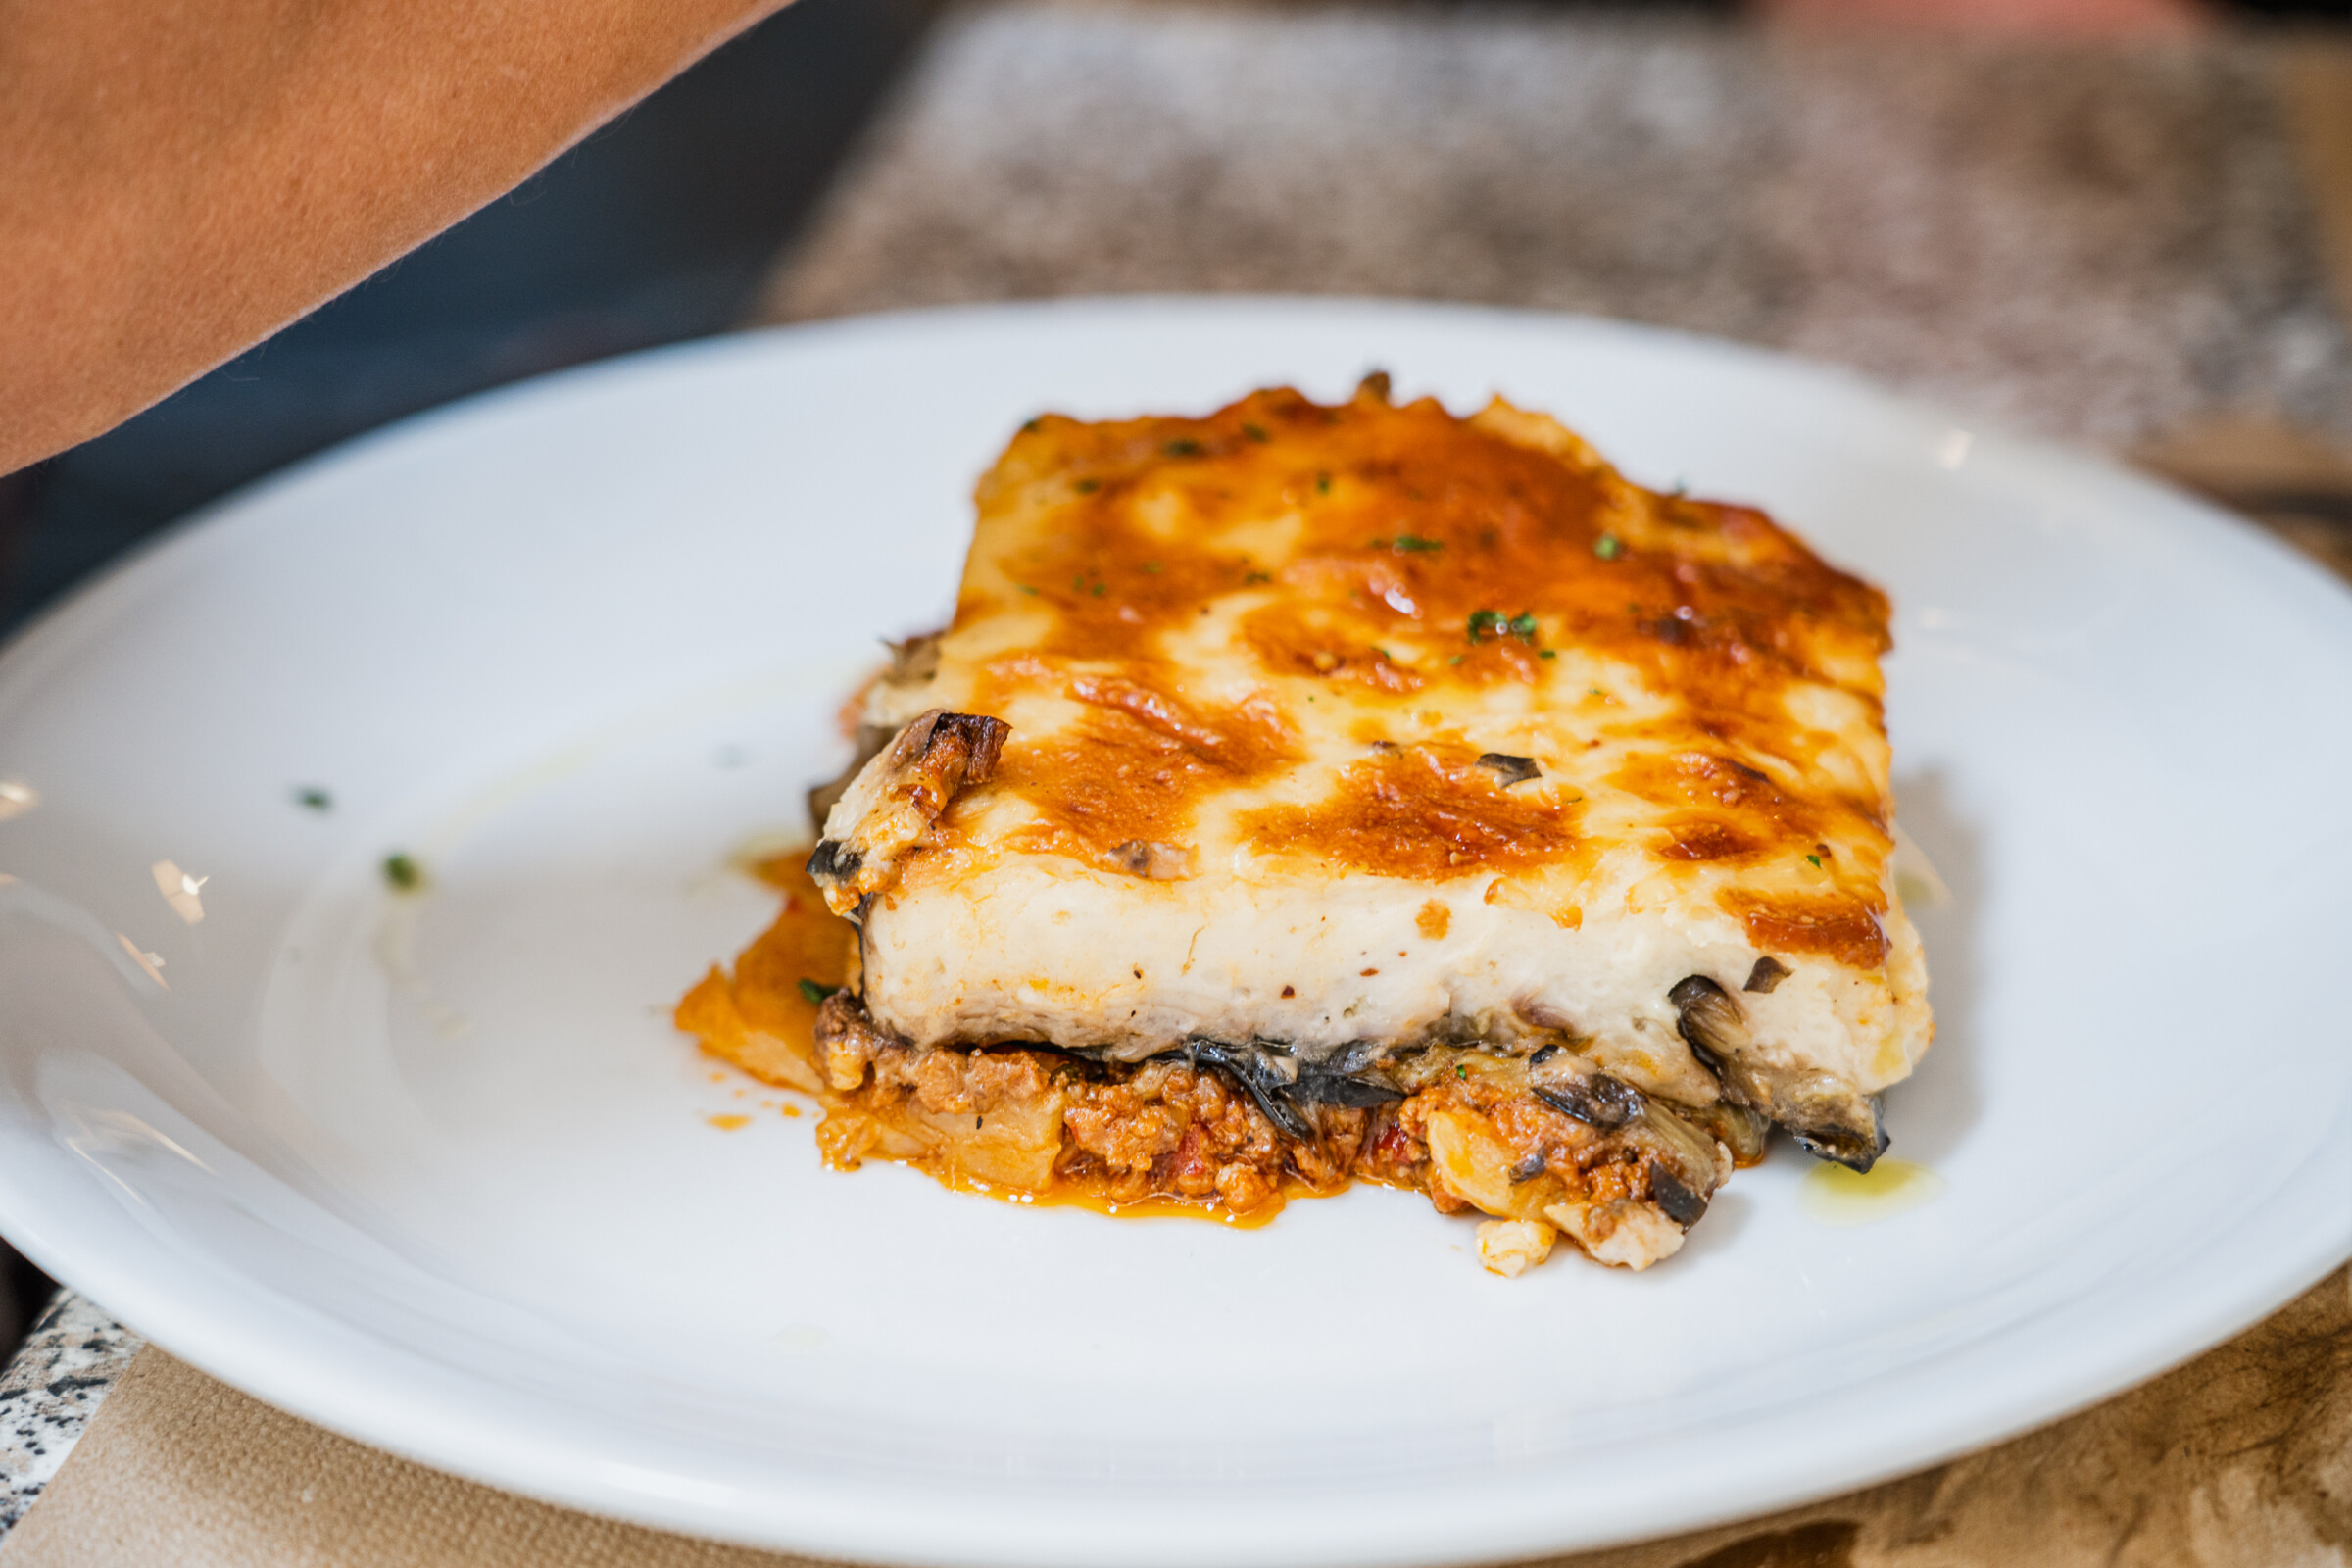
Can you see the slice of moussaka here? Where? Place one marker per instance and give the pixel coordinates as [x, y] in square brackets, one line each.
[1309, 792]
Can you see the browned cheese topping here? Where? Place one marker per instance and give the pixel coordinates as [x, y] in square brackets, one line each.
[1419, 575]
[1303, 794]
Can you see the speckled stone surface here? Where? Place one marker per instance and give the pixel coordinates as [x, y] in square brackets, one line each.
[73, 1356]
[2090, 243]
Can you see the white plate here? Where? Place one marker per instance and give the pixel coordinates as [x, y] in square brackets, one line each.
[436, 1172]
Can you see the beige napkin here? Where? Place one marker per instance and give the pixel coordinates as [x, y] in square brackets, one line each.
[2243, 1456]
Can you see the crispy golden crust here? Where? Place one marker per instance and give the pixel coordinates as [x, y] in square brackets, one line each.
[1306, 794]
[1275, 680]
[1158, 604]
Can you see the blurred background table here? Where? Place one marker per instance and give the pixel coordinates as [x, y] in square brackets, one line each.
[2144, 246]
[2120, 242]
[2090, 242]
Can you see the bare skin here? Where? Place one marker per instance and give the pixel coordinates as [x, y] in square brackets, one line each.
[178, 178]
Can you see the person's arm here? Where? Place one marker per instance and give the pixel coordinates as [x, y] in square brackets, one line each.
[178, 178]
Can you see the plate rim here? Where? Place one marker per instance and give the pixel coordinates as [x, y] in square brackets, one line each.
[208, 1332]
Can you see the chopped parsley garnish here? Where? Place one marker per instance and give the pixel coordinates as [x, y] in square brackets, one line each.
[1025, 588]
[314, 798]
[1031, 427]
[1494, 623]
[1087, 487]
[1461, 1072]
[1549, 652]
[1385, 655]
[1607, 546]
[403, 873]
[1409, 543]
[1815, 860]
[1322, 484]
[1596, 691]
[1257, 576]
[1255, 432]
[1098, 590]
[814, 992]
[1182, 447]
[1150, 569]
[1456, 659]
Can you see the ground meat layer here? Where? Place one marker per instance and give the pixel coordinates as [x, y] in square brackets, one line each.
[1474, 1130]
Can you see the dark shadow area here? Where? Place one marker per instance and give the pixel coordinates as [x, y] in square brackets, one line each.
[658, 227]
[24, 1293]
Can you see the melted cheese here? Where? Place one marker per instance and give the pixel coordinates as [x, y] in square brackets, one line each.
[1270, 677]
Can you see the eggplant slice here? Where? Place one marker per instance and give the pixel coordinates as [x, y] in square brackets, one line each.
[1829, 1117]
[892, 804]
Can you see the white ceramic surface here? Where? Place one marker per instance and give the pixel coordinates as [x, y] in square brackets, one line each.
[436, 1172]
